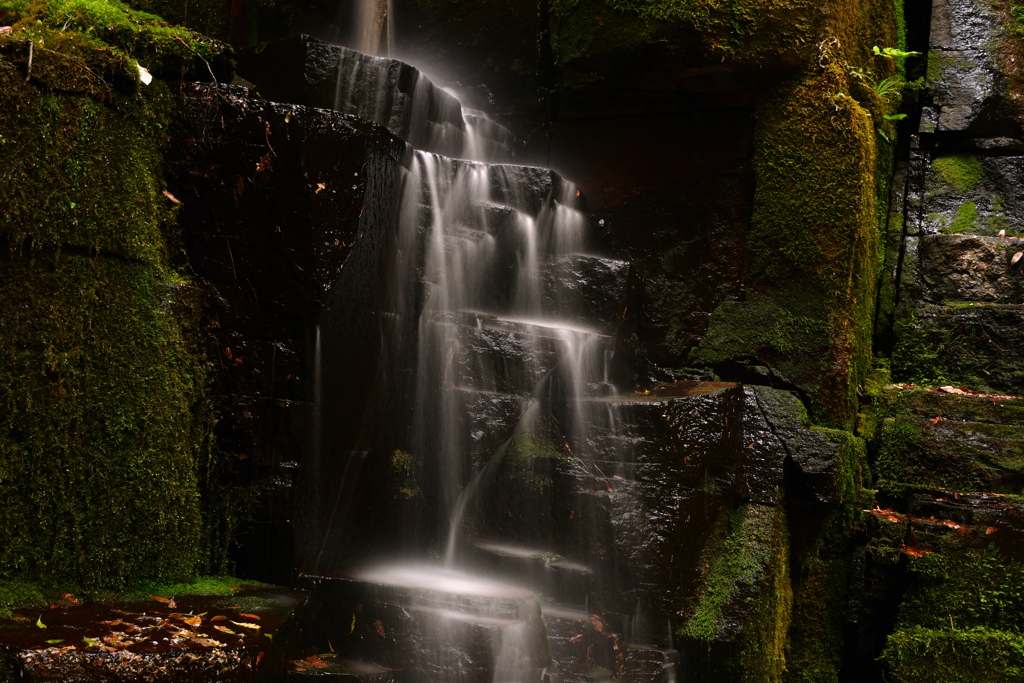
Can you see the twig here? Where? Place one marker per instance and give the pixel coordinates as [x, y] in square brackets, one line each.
[74, 61]
[208, 68]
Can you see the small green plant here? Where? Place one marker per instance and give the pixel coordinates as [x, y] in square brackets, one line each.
[893, 53]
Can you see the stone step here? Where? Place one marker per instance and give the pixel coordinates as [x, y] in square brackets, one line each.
[970, 344]
[960, 269]
[951, 440]
[427, 623]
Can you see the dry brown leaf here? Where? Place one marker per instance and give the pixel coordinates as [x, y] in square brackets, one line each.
[167, 601]
[115, 622]
[248, 616]
[1016, 257]
[576, 639]
[171, 197]
[380, 628]
[315, 661]
[219, 617]
[193, 621]
[596, 621]
[990, 530]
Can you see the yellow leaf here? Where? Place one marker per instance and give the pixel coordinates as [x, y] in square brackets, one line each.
[39, 622]
[245, 625]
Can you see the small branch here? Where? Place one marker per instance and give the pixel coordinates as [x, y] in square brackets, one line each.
[208, 68]
[29, 74]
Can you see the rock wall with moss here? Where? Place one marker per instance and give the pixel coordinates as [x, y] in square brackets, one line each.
[105, 431]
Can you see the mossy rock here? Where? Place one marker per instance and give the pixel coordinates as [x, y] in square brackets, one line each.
[922, 655]
[746, 597]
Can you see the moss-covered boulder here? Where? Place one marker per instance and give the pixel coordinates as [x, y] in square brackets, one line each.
[105, 434]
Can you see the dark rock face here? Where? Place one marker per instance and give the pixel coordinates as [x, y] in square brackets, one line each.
[309, 72]
[277, 199]
[972, 71]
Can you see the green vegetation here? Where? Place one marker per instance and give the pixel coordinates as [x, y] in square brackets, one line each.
[403, 467]
[20, 595]
[752, 549]
[959, 171]
[820, 569]
[528, 460]
[922, 655]
[108, 473]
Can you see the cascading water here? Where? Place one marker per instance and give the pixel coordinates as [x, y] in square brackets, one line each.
[491, 273]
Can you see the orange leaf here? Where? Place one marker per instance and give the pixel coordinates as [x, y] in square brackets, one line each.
[575, 639]
[115, 622]
[193, 621]
[259, 658]
[596, 621]
[248, 616]
[380, 628]
[991, 530]
[171, 197]
[166, 601]
[219, 617]
[313, 660]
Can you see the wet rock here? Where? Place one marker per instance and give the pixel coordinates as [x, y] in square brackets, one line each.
[444, 628]
[276, 200]
[964, 344]
[975, 195]
[952, 441]
[586, 290]
[956, 268]
[305, 71]
[970, 70]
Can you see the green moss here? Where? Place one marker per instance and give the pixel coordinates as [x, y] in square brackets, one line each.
[103, 423]
[106, 455]
[937, 63]
[921, 655]
[820, 569]
[21, 595]
[966, 219]
[766, 635]
[970, 587]
[403, 467]
[747, 554]
[959, 171]
[528, 460]
[815, 223]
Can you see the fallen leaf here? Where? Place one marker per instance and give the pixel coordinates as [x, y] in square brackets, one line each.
[219, 617]
[171, 197]
[70, 599]
[5, 29]
[576, 639]
[245, 625]
[91, 642]
[319, 186]
[115, 622]
[144, 75]
[596, 621]
[223, 629]
[39, 622]
[193, 621]
[259, 658]
[208, 642]
[1002, 233]
[167, 601]
[315, 661]
[55, 642]
[248, 616]
[380, 628]
[990, 530]
[1016, 257]
[353, 628]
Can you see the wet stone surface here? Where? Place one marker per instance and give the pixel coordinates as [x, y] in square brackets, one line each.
[186, 639]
